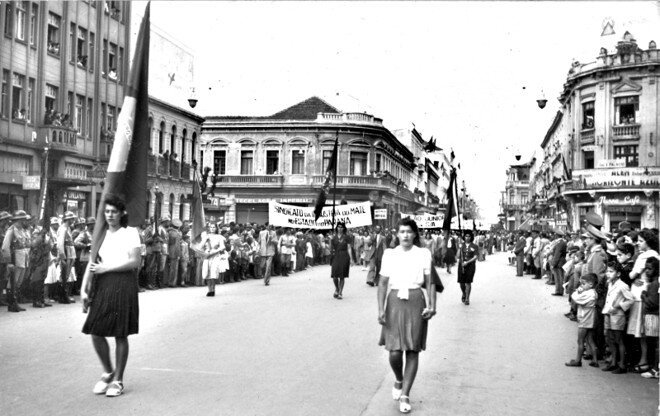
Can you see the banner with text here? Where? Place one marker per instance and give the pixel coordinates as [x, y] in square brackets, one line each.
[354, 215]
[426, 220]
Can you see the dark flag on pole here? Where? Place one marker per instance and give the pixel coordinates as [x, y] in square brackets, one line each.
[474, 225]
[199, 221]
[330, 178]
[451, 210]
[127, 168]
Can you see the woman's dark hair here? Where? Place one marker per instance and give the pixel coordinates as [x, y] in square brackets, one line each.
[652, 264]
[119, 203]
[342, 224]
[409, 222]
[650, 238]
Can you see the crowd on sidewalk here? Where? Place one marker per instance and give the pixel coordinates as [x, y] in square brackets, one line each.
[611, 281]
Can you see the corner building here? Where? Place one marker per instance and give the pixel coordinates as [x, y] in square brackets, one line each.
[284, 158]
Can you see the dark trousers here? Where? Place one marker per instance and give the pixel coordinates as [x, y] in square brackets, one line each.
[153, 265]
[558, 275]
[520, 264]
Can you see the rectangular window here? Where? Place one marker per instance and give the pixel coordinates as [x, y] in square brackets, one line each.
[110, 123]
[54, 38]
[588, 114]
[112, 62]
[327, 155]
[9, 19]
[588, 160]
[378, 162]
[104, 118]
[297, 162]
[30, 100]
[272, 162]
[4, 99]
[18, 111]
[113, 8]
[72, 42]
[358, 163]
[629, 153]
[81, 48]
[70, 105]
[523, 198]
[246, 162]
[51, 98]
[80, 112]
[34, 19]
[626, 109]
[91, 49]
[21, 13]
[105, 57]
[89, 119]
[219, 162]
[120, 64]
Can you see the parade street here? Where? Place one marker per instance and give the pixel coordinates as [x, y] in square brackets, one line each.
[291, 349]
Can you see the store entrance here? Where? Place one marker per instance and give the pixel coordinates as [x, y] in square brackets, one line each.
[631, 214]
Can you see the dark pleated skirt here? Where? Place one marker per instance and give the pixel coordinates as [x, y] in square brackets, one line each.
[404, 329]
[114, 311]
[341, 264]
[466, 274]
[450, 256]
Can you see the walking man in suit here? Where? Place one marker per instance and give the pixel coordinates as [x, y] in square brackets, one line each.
[557, 261]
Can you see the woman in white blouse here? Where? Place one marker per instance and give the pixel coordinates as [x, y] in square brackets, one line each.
[402, 309]
[113, 300]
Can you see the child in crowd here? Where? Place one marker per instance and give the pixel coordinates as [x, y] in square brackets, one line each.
[309, 253]
[574, 282]
[585, 297]
[650, 300]
[624, 255]
[618, 301]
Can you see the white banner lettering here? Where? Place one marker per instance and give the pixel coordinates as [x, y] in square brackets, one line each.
[380, 214]
[354, 215]
[426, 220]
[617, 178]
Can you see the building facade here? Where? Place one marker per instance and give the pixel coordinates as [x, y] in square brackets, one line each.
[601, 151]
[284, 158]
[63, 67]
[515, 196]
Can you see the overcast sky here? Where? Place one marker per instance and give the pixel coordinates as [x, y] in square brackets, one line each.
[454, 69]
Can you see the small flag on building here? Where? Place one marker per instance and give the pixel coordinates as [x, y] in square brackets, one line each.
[330, 177]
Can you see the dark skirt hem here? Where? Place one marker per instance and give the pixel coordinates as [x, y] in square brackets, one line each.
[114, 311]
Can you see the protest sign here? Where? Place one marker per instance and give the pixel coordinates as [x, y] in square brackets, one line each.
[426, 220]
[354, 215]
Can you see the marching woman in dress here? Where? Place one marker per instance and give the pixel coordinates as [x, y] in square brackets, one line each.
[216, 263]
[342, 257]
[113, 303]
[402, 307]
[467, 265]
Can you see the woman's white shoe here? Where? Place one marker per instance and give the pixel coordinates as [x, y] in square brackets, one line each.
[101, 386]
[115, 389]
[404, 407]
[396, 393]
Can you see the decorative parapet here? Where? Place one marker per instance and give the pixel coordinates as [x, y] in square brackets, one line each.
[357, 118]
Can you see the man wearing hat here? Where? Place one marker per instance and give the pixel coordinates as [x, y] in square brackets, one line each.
[83, 244]
[153, 240]
[66, 253]
[16, 251]
[4, 224]
[519, 251]
[557, 261]
[173, 252]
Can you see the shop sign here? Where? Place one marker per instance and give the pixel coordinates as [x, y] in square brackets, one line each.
[611, 178]
[353, 215]
[75, 195]
[380, 214]
[31, 182]
[611, 163]
[589, 148]
[426, 220]
[268, 200]
[230, 217]
[562, 223]
[627, 200]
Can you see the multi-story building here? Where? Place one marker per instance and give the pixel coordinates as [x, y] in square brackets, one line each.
[516, 195]
[63, 67]
[284, 157]
[601, 151]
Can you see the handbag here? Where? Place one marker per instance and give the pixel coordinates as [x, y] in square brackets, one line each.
[435, 278]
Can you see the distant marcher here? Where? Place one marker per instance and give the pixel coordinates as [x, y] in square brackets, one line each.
[342, 257]
[467, 266]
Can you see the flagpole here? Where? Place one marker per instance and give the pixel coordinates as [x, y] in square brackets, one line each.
[44, 190]
[334, 187]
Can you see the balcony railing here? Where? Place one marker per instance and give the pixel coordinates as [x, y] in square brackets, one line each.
[59, 138]
[254, 181]
[514, 207]
[587, 136]
[361, 118]
[625, 132]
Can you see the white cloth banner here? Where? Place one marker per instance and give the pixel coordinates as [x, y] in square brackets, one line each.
[354, 215]
[426, 220]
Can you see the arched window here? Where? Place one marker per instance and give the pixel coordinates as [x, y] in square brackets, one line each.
[161, 133]
[173, 141]
[182, 198]
[194, 149]
[171, 207]
[184, 133]
[151, 126]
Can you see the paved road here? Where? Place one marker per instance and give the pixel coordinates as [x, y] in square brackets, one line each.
[291, 349]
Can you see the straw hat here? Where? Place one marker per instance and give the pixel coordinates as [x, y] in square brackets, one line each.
[20, 215]
[54, 220]
[69, 216]
[4, 215]
[177, 223]
[91, 220]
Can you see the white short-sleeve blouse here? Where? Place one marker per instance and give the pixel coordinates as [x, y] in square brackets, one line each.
[117, 245]
[406, 269]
